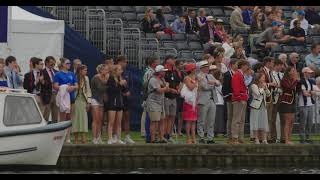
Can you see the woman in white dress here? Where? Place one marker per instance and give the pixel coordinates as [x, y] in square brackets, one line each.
[258, 114]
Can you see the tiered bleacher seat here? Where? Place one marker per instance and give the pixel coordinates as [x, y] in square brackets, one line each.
[125, 9]
[169, 44]
[140, 9]
[179, 37]
[182, 46]
[192, 37]
[140, 17]
[116, 15]
[130, 16]
[197, 55]
[194, 46]
[165, 37]
[186, 54]
[114, 8]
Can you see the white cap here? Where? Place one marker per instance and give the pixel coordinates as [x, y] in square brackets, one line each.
[160, 68]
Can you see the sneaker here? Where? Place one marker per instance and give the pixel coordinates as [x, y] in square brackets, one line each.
[120, 142]
[264, 142]
[99, 140]
[110, 141]
[68, 141]
[211, 142]
[128, 140]
[241, 141]
[171, 140]
[114, 139]
[309, 141]
[257, 141]
[163, 141]
[94, 141]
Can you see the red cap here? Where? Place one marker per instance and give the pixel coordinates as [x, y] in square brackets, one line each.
[190, 67]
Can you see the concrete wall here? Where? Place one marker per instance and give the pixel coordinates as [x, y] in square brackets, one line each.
[187, 156]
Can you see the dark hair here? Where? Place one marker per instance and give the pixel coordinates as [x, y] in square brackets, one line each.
[63, 61]
[152, 59]
[257, 78]
[233, 61]
[242, 63]
[48, 58]
[295, 23]
[10, 59]
[278, 62]
[120, 59]
[35, 61]
[267, 59]
[314, 46]
[178, 62]
[218, 51]
[190, 10]
[287, 71]
[79, 77]
[168, 57]
[217, 74]
[159, 15]
[257, 66]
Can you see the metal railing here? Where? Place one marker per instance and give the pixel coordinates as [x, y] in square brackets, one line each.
[149, 47]
[114, 37]
[96, 28]
[131, 43]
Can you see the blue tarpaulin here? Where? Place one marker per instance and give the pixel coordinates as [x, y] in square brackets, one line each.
[3, 24]
[76, 46]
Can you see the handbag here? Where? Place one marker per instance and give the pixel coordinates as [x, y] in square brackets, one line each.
[287, 98]
[256, 103]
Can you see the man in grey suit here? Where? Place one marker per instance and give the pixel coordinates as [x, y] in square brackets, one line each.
[206, 102]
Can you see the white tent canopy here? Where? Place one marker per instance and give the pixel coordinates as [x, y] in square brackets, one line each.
[30, 35]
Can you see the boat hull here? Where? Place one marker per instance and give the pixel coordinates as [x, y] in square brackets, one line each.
[38, 146]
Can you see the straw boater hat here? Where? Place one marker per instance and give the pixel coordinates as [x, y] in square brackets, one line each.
[218, 21]
[307, 70]
[203, 64]
[210, 18]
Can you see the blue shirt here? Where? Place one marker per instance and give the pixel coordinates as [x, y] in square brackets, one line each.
[247, 16]
[3, 83]
[66, 78]
[178, 26]
[310, 59]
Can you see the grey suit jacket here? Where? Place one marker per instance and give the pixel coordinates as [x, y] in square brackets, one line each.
[206, 91]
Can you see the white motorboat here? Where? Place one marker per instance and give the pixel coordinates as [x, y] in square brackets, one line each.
[25, 136]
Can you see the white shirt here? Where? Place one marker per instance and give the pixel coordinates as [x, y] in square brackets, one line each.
[35, 73]
[228, 50]
[224, 68]
[304, 24]
[220, 100]
[301, 102]
[277, 77]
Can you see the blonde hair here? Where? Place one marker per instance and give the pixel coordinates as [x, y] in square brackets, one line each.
[146, 15]
[100, 67]
[114, 72]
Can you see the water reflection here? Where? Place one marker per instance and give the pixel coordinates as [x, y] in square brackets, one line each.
[177, 171]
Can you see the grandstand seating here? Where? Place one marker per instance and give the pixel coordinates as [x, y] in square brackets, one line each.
[183, 45]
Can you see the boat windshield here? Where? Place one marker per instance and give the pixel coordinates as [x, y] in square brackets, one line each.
[20, 111]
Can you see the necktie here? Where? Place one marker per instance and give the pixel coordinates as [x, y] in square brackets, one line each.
[52, 74]
[12, 79]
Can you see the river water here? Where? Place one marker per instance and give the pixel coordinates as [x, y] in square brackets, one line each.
[177, 171]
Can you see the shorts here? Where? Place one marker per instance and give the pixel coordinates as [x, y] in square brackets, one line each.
[156, 116]
[170, 106]
[94, 102]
